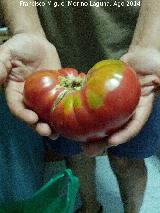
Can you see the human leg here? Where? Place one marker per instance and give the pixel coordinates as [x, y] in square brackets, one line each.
[132, 174]
[84, 168]
[132, 177]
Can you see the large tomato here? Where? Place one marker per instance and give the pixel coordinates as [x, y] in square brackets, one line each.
[84, 107]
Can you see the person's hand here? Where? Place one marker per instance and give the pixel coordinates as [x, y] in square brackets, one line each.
[19, 56]
[146, 63]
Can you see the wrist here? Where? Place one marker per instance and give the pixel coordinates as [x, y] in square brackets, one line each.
[145, 60]
[145, 43]
[147, 31]
[27, 30]
[21, 19]
[139, 47]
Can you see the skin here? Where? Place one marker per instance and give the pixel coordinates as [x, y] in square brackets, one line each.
[14, 49]
[17, 64]
[145, 46]
[26, 38]
[132, 174]
[144, 56]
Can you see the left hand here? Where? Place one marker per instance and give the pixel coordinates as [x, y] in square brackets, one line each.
[146, 62]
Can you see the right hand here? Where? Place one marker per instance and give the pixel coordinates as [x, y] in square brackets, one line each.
[20, 56]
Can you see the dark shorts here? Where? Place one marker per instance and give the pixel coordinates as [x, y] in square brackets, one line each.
[145, 144]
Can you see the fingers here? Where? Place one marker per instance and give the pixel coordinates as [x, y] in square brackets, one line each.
[14, 97]
[136, 124]
[146, 70]
[129, 131]
[19, 71]
[3, 73]
[147, 90]
[43, 129]
[145, 60]
[149, 80]
[149, 83]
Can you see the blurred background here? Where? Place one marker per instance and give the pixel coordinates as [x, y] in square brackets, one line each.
[4, 35]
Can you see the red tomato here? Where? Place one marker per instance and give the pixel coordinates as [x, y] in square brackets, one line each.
[84, 107]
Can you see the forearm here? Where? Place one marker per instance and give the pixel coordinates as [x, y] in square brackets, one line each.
[147, 32]
[21, 18]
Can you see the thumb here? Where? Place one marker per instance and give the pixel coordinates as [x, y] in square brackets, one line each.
[125, 58]
[5, 64]
[139, 119]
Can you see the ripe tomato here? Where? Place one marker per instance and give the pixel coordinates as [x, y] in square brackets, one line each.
[84, 107]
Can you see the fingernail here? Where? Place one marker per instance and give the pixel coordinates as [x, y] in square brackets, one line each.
[54, 137]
